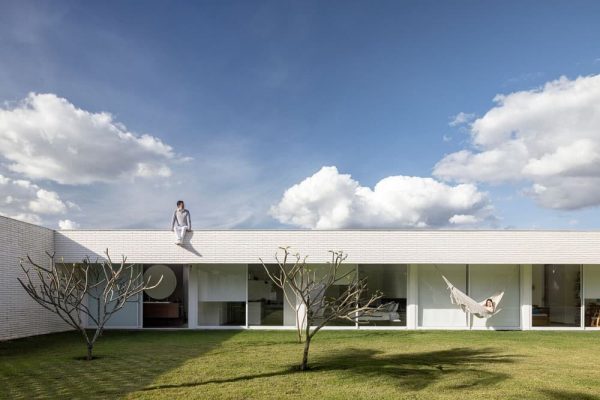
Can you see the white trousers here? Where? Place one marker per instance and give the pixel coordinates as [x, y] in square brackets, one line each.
[180, 232]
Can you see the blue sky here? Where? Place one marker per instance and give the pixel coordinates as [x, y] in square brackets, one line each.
[254, 97]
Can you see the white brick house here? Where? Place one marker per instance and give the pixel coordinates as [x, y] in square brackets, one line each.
[551, 279]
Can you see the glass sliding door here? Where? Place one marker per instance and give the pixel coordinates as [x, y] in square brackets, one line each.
[166, 304]
[266, 303]
[591, 290]
[348, 272]
[556, 295]
[222, 294]
[486, 280]
[435, 309]
[126, 317]
[391, 281]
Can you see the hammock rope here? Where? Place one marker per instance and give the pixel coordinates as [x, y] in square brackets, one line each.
[472, 306]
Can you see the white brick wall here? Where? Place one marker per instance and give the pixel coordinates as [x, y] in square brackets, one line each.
[362, 246]
[19, 315]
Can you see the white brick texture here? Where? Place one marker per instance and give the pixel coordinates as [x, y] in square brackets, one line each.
[362, 246]
[20, 315]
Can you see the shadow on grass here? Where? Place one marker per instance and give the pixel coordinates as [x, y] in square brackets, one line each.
[567, 395]
[48, 366]
[466, 366]
[225, 380]
[411, 370]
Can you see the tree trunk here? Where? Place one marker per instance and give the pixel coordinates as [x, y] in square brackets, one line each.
[90, 348]
[304, 365]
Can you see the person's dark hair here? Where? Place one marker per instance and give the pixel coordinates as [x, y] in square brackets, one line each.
[179, 203]
[490, 301]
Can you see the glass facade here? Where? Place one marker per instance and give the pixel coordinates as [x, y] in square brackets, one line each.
[478, 281]
[222, 295]
[266, 302]
[435, 308]
[591, 290]
[166, 304]
[348, 272]
[391, 281]
[484, 281]
[239, 295]
[556, 295]
[126, 317]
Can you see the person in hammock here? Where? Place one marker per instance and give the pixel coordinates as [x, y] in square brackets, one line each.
[489, 305]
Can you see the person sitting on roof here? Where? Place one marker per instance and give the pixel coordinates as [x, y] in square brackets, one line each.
[181, 222]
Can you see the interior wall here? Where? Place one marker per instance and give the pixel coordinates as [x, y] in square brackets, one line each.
[391, 279]
[218, 285]
[222, 282]
[486, 280]
[434, 308]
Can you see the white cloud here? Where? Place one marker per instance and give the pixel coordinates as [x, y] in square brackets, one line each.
[25, 217]
[549, 137]
[460, 219]
[461, 119]
[24, 200]
[46, 137]
[47, 202]
[67, 224]
[328, 200]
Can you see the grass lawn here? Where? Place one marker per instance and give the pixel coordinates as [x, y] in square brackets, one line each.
[346, 365]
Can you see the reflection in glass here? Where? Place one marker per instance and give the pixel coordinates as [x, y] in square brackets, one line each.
[265, 299]
[556, 295]
[221, 295]
[391, 281]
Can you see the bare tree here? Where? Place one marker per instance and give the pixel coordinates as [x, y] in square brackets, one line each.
[90, 291]
[306, 291]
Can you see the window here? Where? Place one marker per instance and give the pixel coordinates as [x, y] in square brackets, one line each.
[222, 295]
[591, 288]
[391, 281]
[266, 302]
[435, 308]
[556, 295]
[486, 280]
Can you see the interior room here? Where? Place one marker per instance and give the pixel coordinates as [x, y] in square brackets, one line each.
[391, 281]
[166, 304]
[222, 294]
[556, 295]
[266, 303]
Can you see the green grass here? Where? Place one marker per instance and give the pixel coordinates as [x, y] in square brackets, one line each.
[346, 365]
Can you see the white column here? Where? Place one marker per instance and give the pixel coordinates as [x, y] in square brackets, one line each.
[526, 282]
[246, 313]
[192, 297]
[412, 297]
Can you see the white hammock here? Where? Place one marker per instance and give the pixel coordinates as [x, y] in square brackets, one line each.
[474, 307]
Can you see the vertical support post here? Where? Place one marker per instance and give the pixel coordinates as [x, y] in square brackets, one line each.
[140, 299]
[412, 301]
[192, 297]
[468, 315]
[356, 324]
[246, 296]
[582, 296]
[526, 296]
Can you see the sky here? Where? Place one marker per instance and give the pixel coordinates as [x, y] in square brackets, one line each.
[301, 114]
